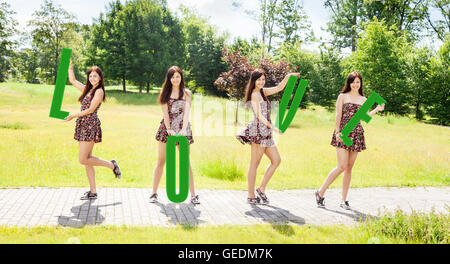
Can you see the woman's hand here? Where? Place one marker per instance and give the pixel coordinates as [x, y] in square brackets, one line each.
[296, 74]
[380, 108]
[70, 117]
[171, 132]
[183, 132]
[276, 130]
[338, 136]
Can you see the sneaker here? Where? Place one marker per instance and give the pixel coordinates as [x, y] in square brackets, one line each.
[262, 196]
[194, 199]
[253, 200]
[89, 196]
[154, 198]
[116, 170]
[345, 205]
[320, 200]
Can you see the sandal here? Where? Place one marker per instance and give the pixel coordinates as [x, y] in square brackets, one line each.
[89, 196]
[116, 170]
[263, 196]
[319, 200]
[253, 200]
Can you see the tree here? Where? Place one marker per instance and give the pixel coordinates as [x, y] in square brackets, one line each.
[418, 69]
[105, 46]
[49, 24]
[407, 15]
[7, 29]
[204, 52]
[437, 96]
[293, 23]
[381, 60]
[267, 17]
[27, 65]
[345, 24]
[328, 81]
[440, 27]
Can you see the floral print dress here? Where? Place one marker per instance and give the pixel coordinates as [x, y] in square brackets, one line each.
[176, 113]
[88, 127]
[257, 132]
[357, 135]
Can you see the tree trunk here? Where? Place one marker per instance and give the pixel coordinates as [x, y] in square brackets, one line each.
[236, 117]
[148, 87]
[354, 33]
[123, 84]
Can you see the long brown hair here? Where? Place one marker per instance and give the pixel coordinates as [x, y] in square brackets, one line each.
[88, 87]
[166, 91]
[350, 79]
[255, 75]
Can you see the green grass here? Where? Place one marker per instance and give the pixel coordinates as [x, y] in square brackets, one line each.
[418, 228]
[36, 150]
[259, 234]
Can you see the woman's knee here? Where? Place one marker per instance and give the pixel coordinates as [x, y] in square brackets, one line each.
[276, 162]
[161, 162]
[342, 167]
[83, 160]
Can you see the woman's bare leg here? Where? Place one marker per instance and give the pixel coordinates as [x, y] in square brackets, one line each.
[159, 165]
[275, 160]
[84, 153]
[85, 159]
[342, 156]
[257, 153]
[348, 174]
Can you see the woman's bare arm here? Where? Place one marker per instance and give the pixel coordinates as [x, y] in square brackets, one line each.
[73, 80]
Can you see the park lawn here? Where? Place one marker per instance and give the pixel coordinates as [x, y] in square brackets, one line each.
[255, 234]
[388, 228]
[36, 150]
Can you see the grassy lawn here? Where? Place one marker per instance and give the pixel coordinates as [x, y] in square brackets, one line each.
[391, 228]
[36, 150]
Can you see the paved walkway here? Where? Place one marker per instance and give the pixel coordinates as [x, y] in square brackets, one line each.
[130, 206]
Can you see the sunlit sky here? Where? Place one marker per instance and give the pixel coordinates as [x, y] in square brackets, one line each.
[220, 13]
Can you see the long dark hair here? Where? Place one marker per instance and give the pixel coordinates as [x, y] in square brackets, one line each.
[255, 75]
[88, 87]
[350, 79]
[164, 96]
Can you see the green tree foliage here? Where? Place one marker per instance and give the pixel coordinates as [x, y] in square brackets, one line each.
[137, 42]
[27, 65]
[437, 96]
[293, 23]
[105, 46]
[417, 75]
[407, 15]
[345, 24]
[204, 52]
[441, 27]
[328, 81]
[380, 59]
[7, 29]
[48, 27]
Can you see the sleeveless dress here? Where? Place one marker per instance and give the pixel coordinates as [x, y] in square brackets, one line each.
[257, 132]
[357, 135]
[88, 127]
[176, 113]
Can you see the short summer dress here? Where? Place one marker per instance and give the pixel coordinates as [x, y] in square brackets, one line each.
[357, 135]
[88, 127]
[257, 132]
[176, 113]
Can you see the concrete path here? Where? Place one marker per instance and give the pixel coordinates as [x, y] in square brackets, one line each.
[130, 206]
